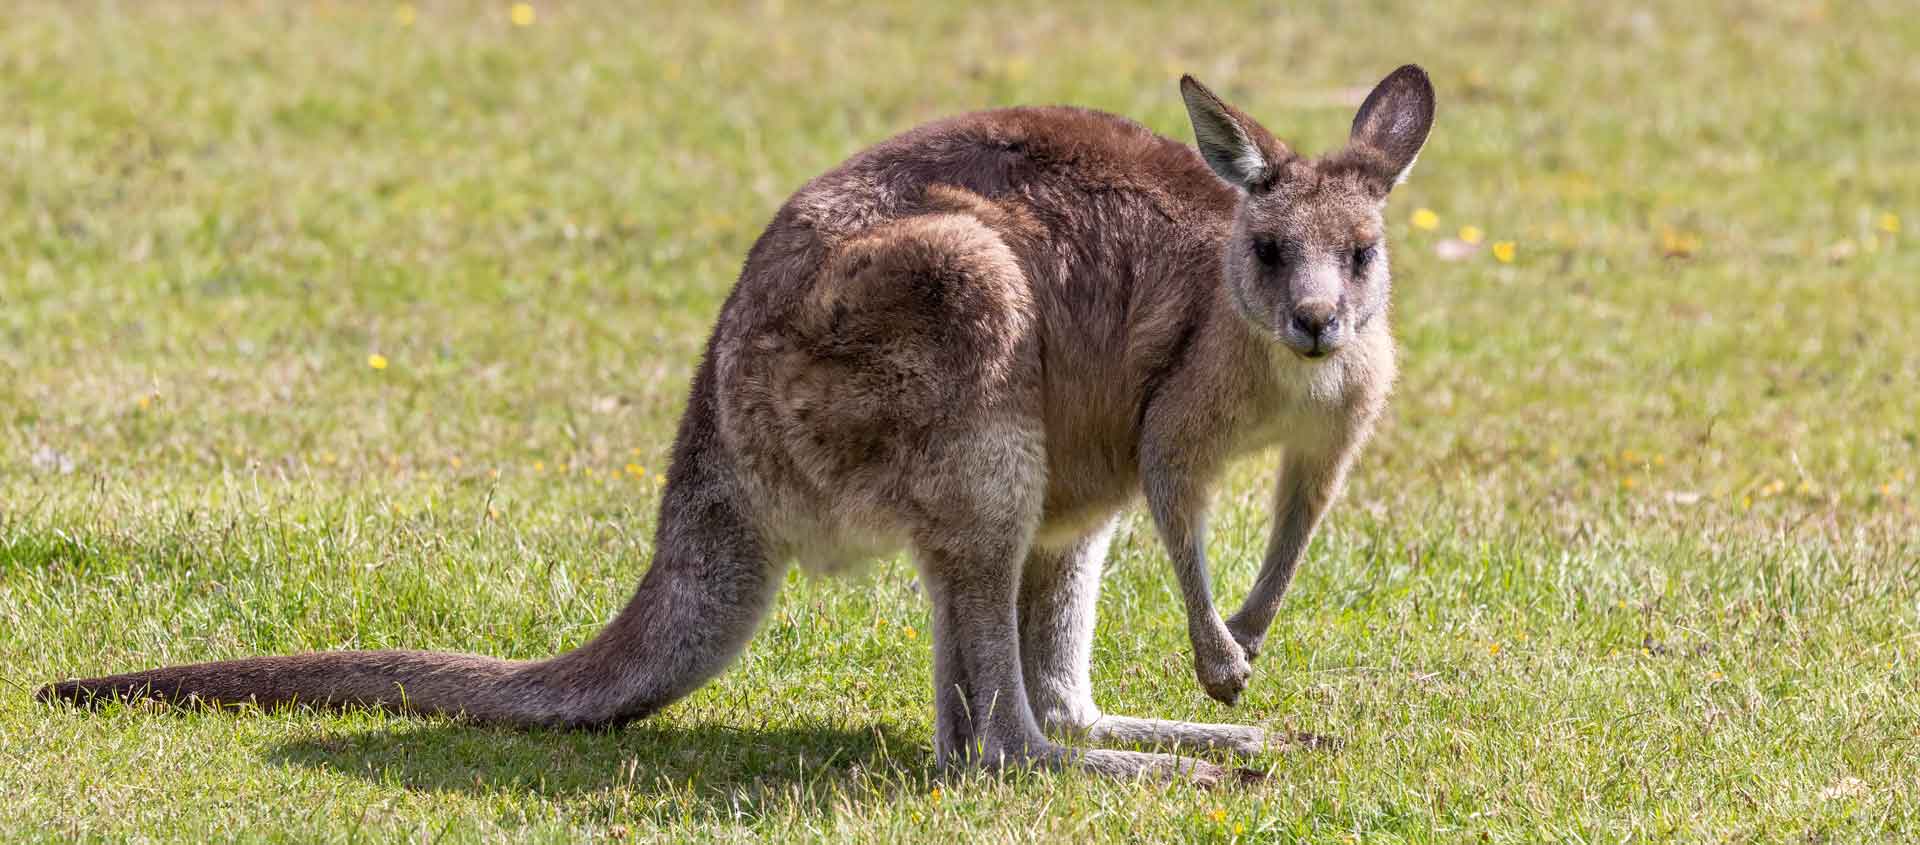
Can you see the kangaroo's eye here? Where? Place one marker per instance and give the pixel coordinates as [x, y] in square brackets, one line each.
[1362, 257]
[1267, 251]
[1276, 253]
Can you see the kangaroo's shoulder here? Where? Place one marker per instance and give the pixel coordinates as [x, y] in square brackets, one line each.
[1092, 144]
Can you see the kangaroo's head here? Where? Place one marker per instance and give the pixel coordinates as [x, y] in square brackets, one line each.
[1306, 260]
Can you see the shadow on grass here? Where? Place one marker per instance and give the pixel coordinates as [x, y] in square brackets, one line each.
[725, 770]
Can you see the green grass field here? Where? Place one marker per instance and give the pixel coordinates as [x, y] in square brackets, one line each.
[330, 324]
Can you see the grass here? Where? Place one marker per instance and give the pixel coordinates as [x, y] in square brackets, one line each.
[1633, 558]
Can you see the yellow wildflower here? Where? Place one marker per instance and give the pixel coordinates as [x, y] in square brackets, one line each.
[1219, 815]
[403, 14]
[377, 361]
[1889, 223]
[1425, 219]
[636, 470]
[935, 795]
[539, 466]
[909, 632]
[1503, 251]
[1678, 244]
[1472, 234]
[1628, 482]
[522, 14]
[1493, 648]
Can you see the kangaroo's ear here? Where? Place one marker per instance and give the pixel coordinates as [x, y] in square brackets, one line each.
[1394, 121]
[1239, 149]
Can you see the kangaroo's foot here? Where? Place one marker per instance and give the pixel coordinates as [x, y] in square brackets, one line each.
[1188, 737]
[1196, 737]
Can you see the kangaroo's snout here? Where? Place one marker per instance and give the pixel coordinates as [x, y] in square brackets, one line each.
[1316, 322]
[1314, 317]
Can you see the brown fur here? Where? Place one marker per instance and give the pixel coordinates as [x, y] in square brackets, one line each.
[980, 340]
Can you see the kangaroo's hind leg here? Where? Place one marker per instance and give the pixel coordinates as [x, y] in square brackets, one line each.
[971, 550]
[1057, 596]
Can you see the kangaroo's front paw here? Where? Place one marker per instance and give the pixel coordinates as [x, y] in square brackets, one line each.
[1224, 676]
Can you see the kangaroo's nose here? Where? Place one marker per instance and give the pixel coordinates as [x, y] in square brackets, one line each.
[1314, 317]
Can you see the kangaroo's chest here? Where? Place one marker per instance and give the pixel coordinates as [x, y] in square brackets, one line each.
[1314, 405]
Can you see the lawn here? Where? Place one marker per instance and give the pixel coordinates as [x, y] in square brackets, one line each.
[329, 324]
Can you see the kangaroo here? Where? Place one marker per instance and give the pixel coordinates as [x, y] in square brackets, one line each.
[980, 340]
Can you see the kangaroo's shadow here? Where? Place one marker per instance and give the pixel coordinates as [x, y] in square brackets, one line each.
[727, 769]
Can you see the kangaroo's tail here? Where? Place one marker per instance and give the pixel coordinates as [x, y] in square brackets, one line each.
[699, 603]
